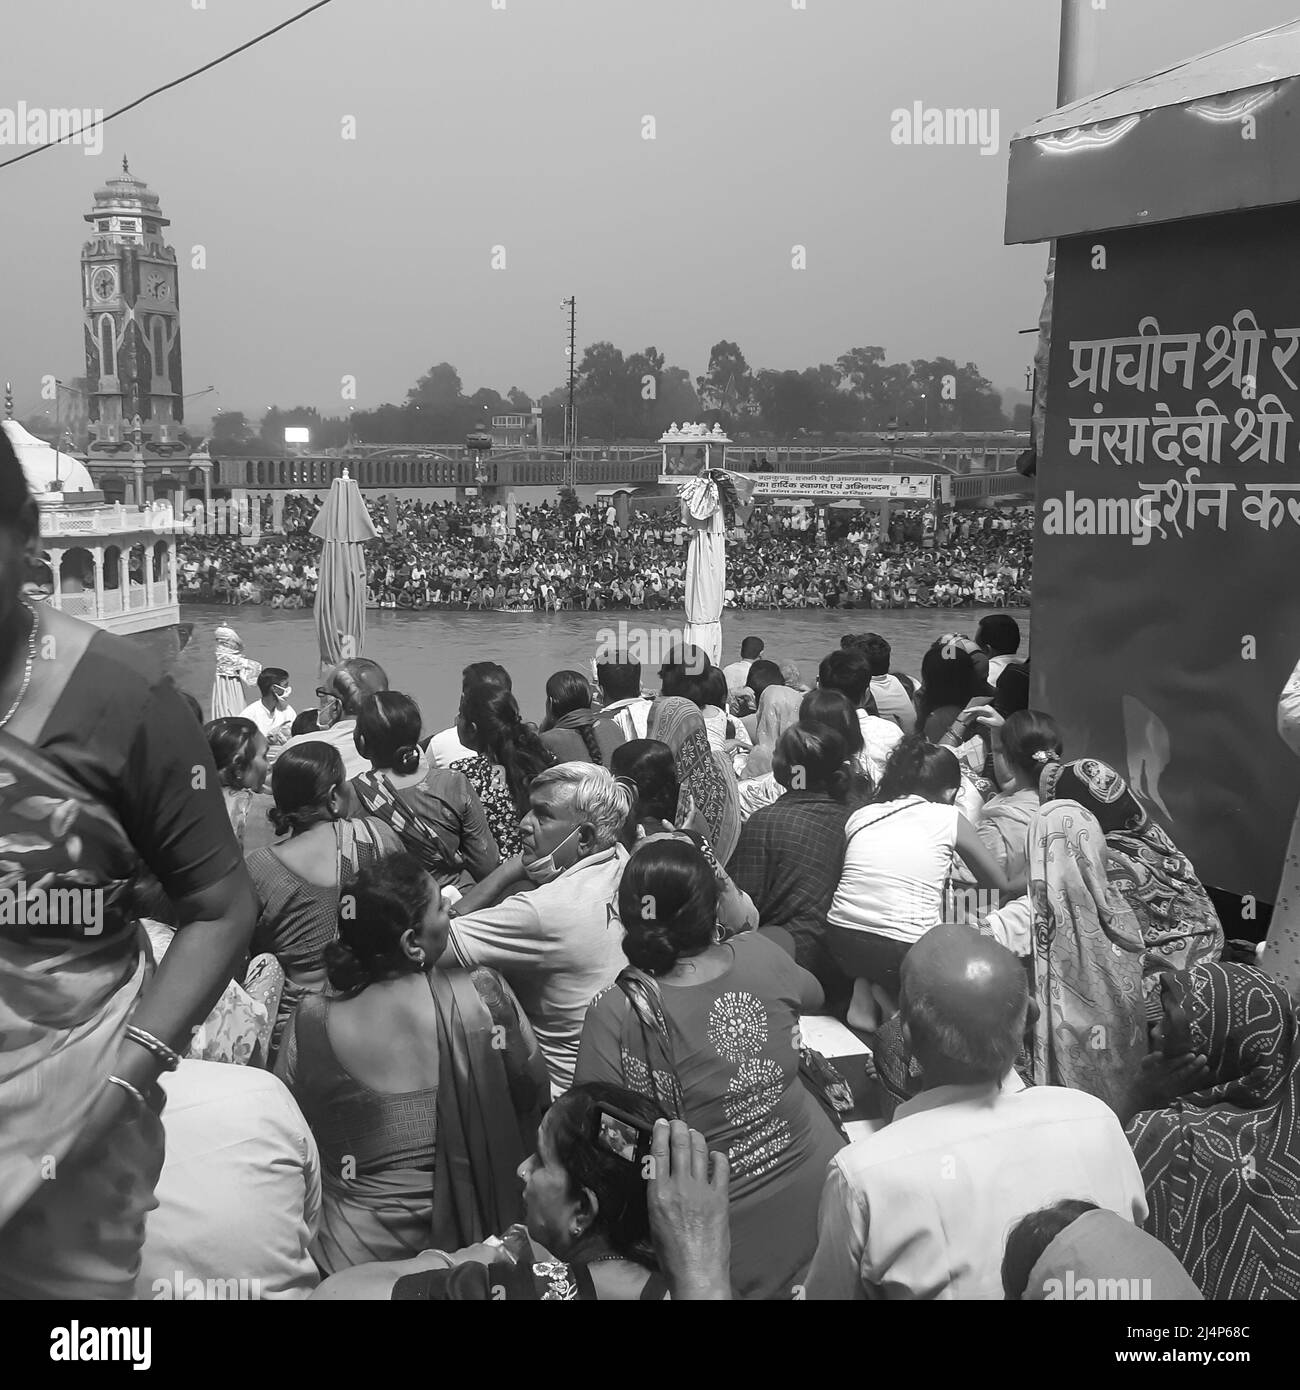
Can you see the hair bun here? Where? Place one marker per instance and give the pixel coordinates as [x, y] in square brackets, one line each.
[1043, 756]
[406, 759]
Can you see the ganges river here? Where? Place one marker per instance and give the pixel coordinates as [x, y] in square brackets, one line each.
[423, 653]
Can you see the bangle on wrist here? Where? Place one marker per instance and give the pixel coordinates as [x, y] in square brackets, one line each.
[133, 1091]
[167, 1057]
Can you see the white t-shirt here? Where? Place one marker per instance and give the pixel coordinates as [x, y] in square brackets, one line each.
[240, 1192]
[737, 673]
[880, 737]
[446, 748]
[893, 702]
[896, 862]
[269, 722]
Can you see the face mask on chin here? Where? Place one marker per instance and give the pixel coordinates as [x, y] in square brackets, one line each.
[551, 866]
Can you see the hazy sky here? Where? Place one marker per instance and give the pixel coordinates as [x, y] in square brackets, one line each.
[522, 127]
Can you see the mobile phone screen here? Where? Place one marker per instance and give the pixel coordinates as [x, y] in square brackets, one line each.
[623, 1137]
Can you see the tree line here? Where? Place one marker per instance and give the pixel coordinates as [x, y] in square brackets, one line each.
[635, 397]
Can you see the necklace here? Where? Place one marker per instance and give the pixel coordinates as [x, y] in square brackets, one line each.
[597, 1259]
[27, 667]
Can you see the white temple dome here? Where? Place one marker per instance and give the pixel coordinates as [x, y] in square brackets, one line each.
[42, 463]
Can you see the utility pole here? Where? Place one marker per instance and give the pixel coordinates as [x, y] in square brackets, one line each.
[571, 424]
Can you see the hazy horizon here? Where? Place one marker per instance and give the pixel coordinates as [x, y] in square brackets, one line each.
[479, 127]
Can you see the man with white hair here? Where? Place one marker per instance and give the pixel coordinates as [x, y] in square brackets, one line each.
[557, 943]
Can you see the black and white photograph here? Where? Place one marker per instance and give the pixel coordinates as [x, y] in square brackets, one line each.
[615, 680]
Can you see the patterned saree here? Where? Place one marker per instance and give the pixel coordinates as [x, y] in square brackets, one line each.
[71, 970]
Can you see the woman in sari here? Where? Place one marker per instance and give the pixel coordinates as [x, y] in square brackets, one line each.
[422, 1086]
[435, 811]
[1222, 1163]
[1091, 1030]
[1179, 925]
[97, 777]
[778, 710]
[240, 752]
[299, 882]
[707, 1028]
[707, 783]
[586, 1233]
[645, 766]
[572, 730]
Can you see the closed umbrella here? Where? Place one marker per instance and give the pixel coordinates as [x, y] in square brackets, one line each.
[344, 526]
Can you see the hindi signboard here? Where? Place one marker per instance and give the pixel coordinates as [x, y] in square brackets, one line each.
[916, 487]
[1166, 618]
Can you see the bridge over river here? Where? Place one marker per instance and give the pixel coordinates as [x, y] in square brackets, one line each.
[978, 465]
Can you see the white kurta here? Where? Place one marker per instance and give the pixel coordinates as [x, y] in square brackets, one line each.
[706, 566]
[1281, 957]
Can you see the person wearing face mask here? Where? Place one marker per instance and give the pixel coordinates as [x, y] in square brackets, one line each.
[340, 697]
[555, 941]
[273, 714]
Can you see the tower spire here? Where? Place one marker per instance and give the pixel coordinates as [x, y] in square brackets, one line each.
[125, 169]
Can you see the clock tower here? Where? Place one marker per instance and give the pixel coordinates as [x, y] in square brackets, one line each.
[132, 325]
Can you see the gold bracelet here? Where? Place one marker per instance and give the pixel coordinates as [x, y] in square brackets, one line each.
[132, 1091]
[168, 1059]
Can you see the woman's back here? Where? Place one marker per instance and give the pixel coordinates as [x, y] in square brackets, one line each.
[734, 1046]
[897, 859]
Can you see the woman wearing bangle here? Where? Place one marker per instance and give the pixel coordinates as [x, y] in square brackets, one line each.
[106, 772]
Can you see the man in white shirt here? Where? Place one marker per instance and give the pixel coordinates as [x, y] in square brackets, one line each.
[922, 1207]
[892, 694]
[341, 694]
[445, 748]
[849, 672]
[273, 714]
[621, 699]
[240, 1192]
[998, 636]
[737, 673]
[557, 944]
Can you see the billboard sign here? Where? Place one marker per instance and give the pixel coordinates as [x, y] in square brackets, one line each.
[1166, 619]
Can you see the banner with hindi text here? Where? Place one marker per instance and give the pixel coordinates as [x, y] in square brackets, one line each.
[1166, 610]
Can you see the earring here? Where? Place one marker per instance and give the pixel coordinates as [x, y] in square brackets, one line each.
[719, 933]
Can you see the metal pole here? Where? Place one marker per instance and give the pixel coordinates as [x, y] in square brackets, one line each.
[1076, 76]
[570, 462]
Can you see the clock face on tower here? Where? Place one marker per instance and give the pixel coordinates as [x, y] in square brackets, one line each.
[156, 287]
[103, 283]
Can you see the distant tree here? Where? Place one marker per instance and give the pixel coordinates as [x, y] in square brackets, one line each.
[567, 501]
[520, 401]
[232, 436]
[1021, 417]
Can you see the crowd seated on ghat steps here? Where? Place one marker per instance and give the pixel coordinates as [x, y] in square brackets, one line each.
[628, 1007]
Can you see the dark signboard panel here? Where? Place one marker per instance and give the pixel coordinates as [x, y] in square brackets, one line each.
[1166, 602]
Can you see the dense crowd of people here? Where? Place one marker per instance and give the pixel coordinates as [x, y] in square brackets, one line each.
[478, 556]
[710, 985]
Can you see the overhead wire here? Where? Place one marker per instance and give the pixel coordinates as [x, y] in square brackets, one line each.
[166, 87]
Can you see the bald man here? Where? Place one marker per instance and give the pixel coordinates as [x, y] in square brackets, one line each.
[921, 1208]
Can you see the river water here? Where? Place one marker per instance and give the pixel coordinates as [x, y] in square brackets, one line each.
[423, 653]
